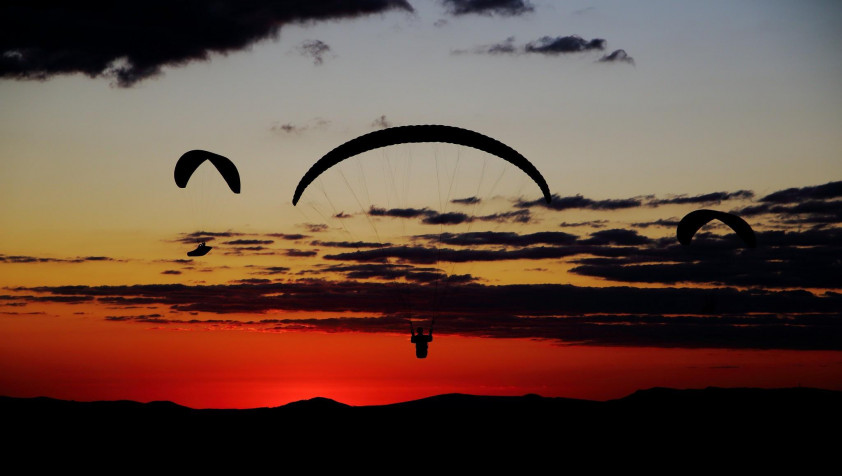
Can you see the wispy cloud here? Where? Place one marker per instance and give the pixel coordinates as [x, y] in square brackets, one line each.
[349, 244]
[578, 201]
[315, 49]
[707, 198]
[803, 194]
[381, 123]
[546, 45]
[488, 7]
[433, 217]
[284, 128]
[617, 56]
[44, 259]
[563, 44]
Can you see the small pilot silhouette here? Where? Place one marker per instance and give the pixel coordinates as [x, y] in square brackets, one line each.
[421, 340]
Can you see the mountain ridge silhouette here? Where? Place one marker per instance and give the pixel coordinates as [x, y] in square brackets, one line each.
[685, 421]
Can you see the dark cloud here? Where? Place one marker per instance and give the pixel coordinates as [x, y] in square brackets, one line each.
[271, 270]
[133, 42]
[752, 210]
[708, 198]
[432, 217]
[793, 195]
[545, 45]
[580, 202]
[815, 269]
[810, 207]
[592, 224]
[818, 212]
[784, 259]
[381, 123]
[66, 299]
[248, 242]
[516, 216]
[315, 227]
[300, 253]
[391, 272]
[432, 255]
[28, 259]
[290, 236]
[505, 47]
[617, 56]
[816, 206]
[767, 331]
[617, 237]
[466, 200]
[669, 223]
[447, 218]
[36, 259]
[478, 238]
[350, 244]
[171, 271]
[473, 299]
[400, 212]
[563, 44]
[666, 317]
[137, 318]
[175, 261]
[97, 258]
[253, 281]
[315, 49]
[831, 237]
[488, 7]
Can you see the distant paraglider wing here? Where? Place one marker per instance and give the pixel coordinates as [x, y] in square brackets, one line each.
[200, 251]
[690, 224]
[425, 133]
[190, 161]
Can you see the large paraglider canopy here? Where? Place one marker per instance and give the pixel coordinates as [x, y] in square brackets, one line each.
[190, 161]
[398, 208]
[690, 224]
[424, 133]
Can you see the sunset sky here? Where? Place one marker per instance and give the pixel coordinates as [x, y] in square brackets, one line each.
[635, 113]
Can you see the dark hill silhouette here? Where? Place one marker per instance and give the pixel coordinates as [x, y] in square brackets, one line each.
[751, 420]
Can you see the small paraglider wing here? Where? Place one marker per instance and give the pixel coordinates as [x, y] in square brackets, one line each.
[201, 250]
[690, 224]
[425, 133]
[190, 161]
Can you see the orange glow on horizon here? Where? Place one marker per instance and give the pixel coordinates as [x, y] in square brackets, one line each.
[83, 357]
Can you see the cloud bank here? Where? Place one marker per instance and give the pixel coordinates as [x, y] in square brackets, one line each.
[134, 42]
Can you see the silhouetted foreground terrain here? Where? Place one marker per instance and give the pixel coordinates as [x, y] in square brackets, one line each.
[727, 420]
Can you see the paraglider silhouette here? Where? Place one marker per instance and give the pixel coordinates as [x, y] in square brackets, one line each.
[693, 221]
[414, 134]
[200, 250]
[190, 161]
[425, 186]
